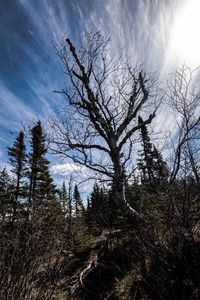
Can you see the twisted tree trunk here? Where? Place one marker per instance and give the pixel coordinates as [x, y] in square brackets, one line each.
[137, 220]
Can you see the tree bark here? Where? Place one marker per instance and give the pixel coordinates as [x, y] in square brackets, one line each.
[137, 220]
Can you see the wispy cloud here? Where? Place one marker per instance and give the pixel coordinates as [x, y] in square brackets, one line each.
[30, 70]
[13, 110]
[141, 28]
[49, 20]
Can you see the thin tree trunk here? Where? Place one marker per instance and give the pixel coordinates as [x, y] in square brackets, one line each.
[193, 164]
[16, 200]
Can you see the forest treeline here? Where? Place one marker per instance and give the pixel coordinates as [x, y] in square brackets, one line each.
[137, 235]
[40, 221]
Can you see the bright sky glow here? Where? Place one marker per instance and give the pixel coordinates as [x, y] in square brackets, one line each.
[158, 34]
[185, 34]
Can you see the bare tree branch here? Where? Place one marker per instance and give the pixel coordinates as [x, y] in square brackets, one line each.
[106, 97]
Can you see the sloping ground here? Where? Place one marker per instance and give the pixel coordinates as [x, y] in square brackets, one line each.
[116, 267]
[93, 273]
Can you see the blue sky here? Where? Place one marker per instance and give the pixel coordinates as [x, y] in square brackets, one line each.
[30, 69]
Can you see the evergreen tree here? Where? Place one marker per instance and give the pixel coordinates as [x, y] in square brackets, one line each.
[153, 168]
[100, 210]
[64, 199]
[93, 207]
[41, 188]
[145, 163]
[17, 154]
[6, 194]
[160, 167]
[69, 213]
[5, 181]
[78, 205]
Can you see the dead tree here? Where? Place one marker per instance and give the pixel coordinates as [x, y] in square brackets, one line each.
[98, 126]
[184, 98]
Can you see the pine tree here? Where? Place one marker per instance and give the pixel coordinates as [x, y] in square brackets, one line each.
[41, 187]
[17, 154]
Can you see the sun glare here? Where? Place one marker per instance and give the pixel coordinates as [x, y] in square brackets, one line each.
[185, 34]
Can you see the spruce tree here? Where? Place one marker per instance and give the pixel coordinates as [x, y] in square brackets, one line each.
[145, 163]
[41, 187]
[99, 211]
[17, 154]
[160, 167]
[92, 220]
[64, 199]
[78, 205]
[6, 194]
[151, 164]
